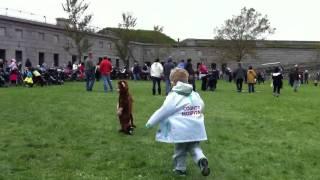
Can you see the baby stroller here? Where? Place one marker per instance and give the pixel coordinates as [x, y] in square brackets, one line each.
[28, 81]
[53, 77]
[38, 78]
[2, 79]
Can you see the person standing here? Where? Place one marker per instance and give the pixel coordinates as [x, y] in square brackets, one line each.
[277, 81]
[306, 77]
[168, 66]
[136, 71]
[239, 76]
[14, 72]
[98, 74]
[155, 73]
[203, 72]
[296, 78]
[105, 70]
[251, 79]
[2, 74]
[191, 72]
[28, 63]
[145, 72]
[181, 122]
[181, 64]
[89, 69]
[1, 64]
[316, 78]
[213, 77]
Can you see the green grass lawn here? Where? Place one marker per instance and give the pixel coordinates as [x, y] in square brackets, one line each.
[64, 132]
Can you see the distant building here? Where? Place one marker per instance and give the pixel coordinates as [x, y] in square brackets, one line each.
[46, 43]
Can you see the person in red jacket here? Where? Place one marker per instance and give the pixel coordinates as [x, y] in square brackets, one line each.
[105, 70]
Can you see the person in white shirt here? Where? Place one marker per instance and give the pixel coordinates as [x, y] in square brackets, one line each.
[181, 122]
[155, 73]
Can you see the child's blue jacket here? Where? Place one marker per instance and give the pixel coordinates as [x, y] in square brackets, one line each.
[180, 117]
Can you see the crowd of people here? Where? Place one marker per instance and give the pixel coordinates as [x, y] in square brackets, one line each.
[12, 74]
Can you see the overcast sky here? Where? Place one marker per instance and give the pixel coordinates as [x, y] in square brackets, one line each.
[293, 19]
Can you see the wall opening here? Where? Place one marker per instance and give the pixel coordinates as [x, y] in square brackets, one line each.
[18, 56]
[56, 60]
[3, 54]
[41, 58]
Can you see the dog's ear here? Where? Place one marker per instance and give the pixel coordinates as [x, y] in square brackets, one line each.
[123, 84]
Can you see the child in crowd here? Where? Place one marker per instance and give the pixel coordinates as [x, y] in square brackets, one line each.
[182, 123]
[14, 73]
[28, 80]
[277, 81]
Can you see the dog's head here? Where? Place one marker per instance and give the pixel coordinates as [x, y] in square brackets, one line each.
[123, 87]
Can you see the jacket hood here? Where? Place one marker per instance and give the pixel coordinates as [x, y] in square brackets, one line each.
[182, 88]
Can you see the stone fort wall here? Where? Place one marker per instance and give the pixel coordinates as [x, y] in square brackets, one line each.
[22, 39]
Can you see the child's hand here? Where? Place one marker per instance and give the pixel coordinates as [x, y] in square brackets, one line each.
[148, 126]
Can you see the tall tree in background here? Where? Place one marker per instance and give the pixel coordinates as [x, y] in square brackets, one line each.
[125, 36]
[78, 25]
[238, 35]
[158, 28]
[157, 36]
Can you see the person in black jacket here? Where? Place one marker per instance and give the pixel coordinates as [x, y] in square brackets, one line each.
[213, 77]
[28, 63]
[239, 76]
[168, 66]
[190, 70]
[277, 81]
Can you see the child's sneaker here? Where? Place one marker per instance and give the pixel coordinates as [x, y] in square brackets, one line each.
[180, 172]
[203, 164]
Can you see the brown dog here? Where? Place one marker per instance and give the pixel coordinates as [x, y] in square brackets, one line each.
[124, 108]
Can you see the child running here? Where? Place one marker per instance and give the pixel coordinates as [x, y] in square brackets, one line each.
[181, 122]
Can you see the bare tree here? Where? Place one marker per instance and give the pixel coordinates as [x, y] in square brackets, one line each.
[125, 36]
[158, 28]
[237, 37]
[77, 27]
[158, 33]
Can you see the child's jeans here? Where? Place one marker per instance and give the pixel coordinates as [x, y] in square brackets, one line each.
[180, 154]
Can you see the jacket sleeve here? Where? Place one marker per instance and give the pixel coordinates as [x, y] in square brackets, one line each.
[161, 68]
[167, 109]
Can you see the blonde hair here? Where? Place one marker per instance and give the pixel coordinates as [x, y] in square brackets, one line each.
[178, 74]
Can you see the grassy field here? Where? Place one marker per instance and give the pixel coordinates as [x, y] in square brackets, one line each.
[64, 132]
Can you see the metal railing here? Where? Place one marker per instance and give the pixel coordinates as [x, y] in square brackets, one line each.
[26, 15]
[34, 17]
